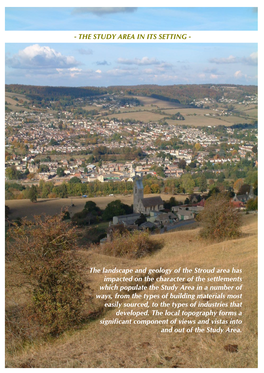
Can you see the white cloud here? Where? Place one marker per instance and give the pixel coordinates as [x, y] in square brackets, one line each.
[251, 60]
[100, 11]
[36, 57]
[139, 62]
[85, 51]
[238, 74]
[230, 59]
[122, 72]
[213, 76]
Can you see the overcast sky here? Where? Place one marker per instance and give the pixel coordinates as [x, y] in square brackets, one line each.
[128, 64]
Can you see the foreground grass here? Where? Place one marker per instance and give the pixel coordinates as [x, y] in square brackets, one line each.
[99, 346]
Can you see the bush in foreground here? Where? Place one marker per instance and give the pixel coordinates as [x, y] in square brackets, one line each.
[131, 245]
[219, 219]
[45, 252]
[252, 204]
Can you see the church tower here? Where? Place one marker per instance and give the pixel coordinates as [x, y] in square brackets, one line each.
[138, 193]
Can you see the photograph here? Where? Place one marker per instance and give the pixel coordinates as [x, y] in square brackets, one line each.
[131, 187]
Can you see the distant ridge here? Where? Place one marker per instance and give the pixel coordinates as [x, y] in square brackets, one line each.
[183, 94]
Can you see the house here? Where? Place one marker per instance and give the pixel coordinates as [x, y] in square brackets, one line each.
[147, 225]
[238, 205]
[185, 214]
[129, 219]
[166, 219]
[244, 197]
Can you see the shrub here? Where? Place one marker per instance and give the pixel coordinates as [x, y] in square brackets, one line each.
[219, 219]
[131, 245]
[83, 217]
[45, 252]
[33, 193]
[7, 211]
[252, 204]
[116, 208]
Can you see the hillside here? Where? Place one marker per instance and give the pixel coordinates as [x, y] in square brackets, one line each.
[138, 346]
[185, 93]
[177, 94]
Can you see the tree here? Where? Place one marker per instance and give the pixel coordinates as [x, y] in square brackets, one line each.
[252, 204]
[221, 177]
[53, 142]
[33, 193]
[192, 165]
[255, 149]
[155, 188]
[213, 191]
[142, 219]
[245, 188]
[197, 146]
[43, 168]
[187, 183]
[173, 202]
[12, 173]
[60, 172]
[182, 164]
[91, 207]
[30, 176]
[61, 190]
[202, 183]
[75, 180]
[116, 208]
[45, 253]
[147, 189]
[219, 219]
[238, 184]
[7, 211]
[252, 177]
[83, 217]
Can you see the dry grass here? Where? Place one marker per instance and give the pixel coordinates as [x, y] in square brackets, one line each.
[230, 120]
[193, 116]
[143, 116]
[138, 346]
[52, 206]
[156, 102]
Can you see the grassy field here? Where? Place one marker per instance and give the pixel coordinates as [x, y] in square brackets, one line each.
[12, 104]
[230, 120]
[51, 206]
[143, 116]
[9, 97]
[193, 116]
[138, 346]
[91, 107]
[156, 102]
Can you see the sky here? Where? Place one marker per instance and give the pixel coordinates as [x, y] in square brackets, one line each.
[131, 18]
[84, 64]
